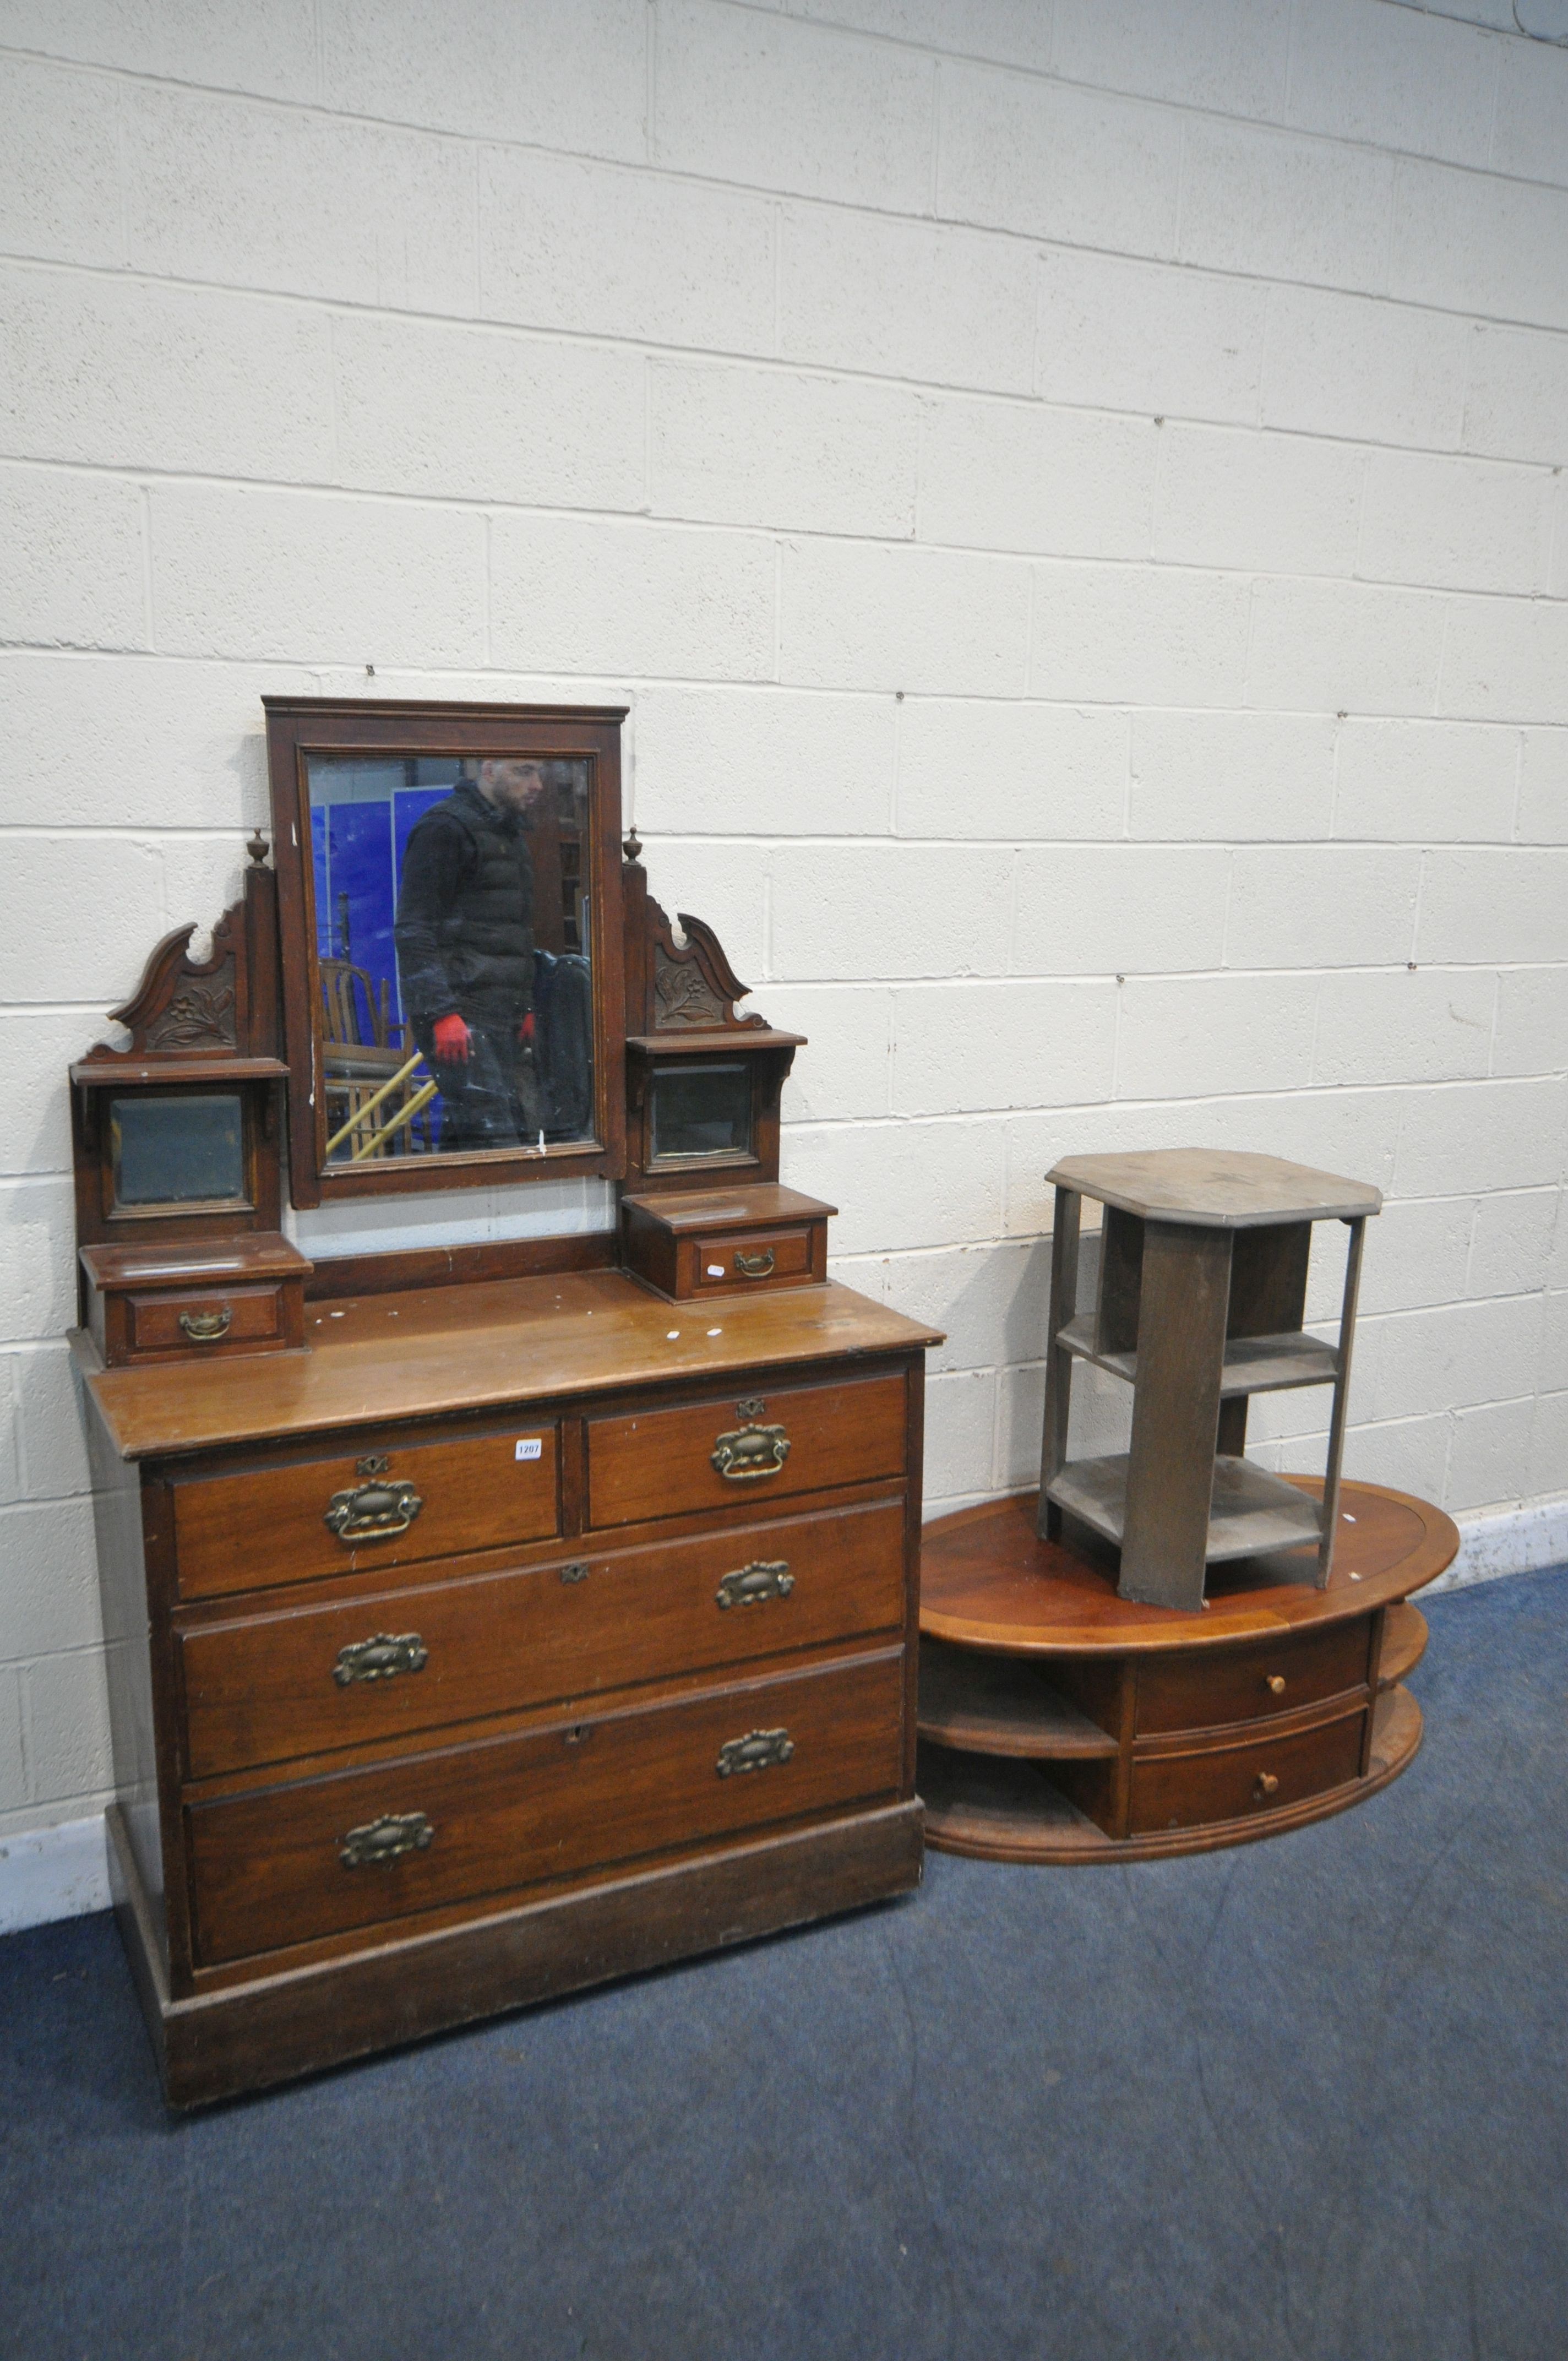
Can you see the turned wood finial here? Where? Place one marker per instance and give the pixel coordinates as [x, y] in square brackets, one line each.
[256, 847]
[633, 848]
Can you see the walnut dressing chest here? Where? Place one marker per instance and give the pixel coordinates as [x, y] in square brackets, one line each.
[483, 1620]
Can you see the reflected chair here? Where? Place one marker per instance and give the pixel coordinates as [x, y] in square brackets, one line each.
[377, 1093]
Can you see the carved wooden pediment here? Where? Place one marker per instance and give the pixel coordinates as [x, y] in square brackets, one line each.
[220, 1008]
[183, 1004]
[694, 987]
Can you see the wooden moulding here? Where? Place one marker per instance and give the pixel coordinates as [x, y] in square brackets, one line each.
[339, 1277]
[278, 2027]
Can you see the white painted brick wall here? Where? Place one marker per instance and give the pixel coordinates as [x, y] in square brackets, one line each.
[1073, 492]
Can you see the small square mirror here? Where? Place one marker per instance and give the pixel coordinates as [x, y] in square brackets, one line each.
[702, 1109]
[177, 1150]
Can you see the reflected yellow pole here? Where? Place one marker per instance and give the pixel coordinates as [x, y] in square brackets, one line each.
[370, 1106]
[421, 1098]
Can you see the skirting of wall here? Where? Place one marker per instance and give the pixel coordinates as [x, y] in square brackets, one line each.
[62, 1872]
[1506, 1541]
[57, 1872]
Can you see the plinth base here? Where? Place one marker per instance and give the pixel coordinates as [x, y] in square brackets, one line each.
[1061, 1723]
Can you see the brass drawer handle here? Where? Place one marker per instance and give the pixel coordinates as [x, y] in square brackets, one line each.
[375, 1511]
[749, 1584]
[757, 1266]
[381, 1658]
[1267, 1786]
[380, 1842]
[1275, 1684]
[206, 1327]
[756, 1751]
[751, 1452]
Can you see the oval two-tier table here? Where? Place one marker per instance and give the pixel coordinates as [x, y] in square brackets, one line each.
[1061, 1723]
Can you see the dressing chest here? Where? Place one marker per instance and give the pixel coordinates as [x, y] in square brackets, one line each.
[482, 1623]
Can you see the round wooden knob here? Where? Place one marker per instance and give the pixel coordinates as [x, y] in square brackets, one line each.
[1266, 1785]
[1275, 1683]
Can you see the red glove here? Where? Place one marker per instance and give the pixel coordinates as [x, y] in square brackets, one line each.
[452, 1039]
[525, 1031]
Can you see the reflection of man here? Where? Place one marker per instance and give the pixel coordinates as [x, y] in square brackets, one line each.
[464, 938]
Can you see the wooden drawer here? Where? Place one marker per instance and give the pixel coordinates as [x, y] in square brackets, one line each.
[660, 1463]
[738, 1241]
[246, 1531]
[1243, 1684]
[1230, 1783]
[731, 1264]
[212, 1322]
[305, 1681]
[267, 1869]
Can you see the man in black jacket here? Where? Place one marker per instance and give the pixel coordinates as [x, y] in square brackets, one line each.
[465, 938]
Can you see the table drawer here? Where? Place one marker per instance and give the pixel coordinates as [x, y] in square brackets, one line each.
[1230, 1783]
[209, 1320]
[388, 1507]
[734, 1264]
[270, 1869]
[317, 1677]
[1244, 1684]
[729, 1453]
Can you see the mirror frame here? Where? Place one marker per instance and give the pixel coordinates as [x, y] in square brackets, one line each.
[300, 727]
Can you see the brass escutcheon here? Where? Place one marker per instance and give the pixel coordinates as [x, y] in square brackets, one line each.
[577, 1571]
[206, 1327]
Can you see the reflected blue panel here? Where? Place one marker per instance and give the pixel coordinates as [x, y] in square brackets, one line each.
[359, 844]
[321, 867]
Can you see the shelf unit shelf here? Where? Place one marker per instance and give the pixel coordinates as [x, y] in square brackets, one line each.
[1253, 1365]
[1250, 1511]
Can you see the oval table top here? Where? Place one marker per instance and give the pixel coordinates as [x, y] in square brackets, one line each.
[988, 1580]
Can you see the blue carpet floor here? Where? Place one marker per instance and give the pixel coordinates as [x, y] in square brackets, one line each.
[1306, 2099]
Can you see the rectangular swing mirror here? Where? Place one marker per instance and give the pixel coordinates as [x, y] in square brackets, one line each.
[449, 899]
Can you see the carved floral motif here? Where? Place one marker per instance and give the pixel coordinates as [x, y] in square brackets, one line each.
[683, 994]
[202, 1013]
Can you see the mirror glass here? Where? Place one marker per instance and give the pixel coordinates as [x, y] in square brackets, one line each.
[703, 1108]
[185, 1150]
[454, 938]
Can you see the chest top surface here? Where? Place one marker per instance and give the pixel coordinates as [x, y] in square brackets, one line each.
[429, 1353]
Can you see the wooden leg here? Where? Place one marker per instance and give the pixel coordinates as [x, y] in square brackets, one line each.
[1232, 1442]
[1058, 1360]
[1176, 1413]
[1341, 1403]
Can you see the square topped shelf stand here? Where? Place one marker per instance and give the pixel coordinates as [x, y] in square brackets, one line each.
[1200, 1301]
